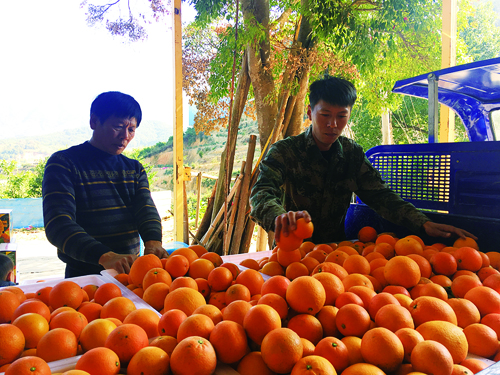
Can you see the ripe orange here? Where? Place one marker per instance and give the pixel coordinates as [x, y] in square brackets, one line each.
[384, 248]
[214, 258]
[17, 291]
[29, 365]
[100, 358]
[336, 256]
[306, 326]
[486, 299]
[275, 284]
[352, 320]
[237, 292]
[167, 343]
[433, 290]
[195, 325]
[386, 238]
[354, 279]
[9, 303]
[229, 341]
[442, 280]
[170, 321]
[307, 346]
[58, 343]
[156, 275]
[468, 259]
[475, 365]
[193, 355]
[382, 348]
[201, 268]
[118, 307]
[71, 320]
[252, 364]
[220, 278]
[126, 340]
[332, 284]
[381, 299]
[259, 321]
[250, 263]
[141, 266]
[66, 293]
[426, 308]
[90, 289]
[484, 272]
[219, 299]
[95, 333]
[304, 230]
[357, 264]
[296, 269]
[149, 360]
[177, 265]
[32, 306]
[198, 249]
[363, 369]
[407, 246]
[469, 242]
[273, 268]
[281, 349]
[306, 294]
[443, 263]
[466, 312]
[33, 326]
[190, 254]
[394, 317]
[330, 267]
[236, 311]
[327, 317]
[335, 351]
[431, 357]
[90, 310]
[12, 343]
[147, 319]
[290, 242]
[313, 364]
[105, 292]
[482, 340]
[252, 279]
[276, 302]
[155, 295]
[409, 338]
[367, 234]
[402, 271]
[185, 299]
[462, 284]
[448, 334]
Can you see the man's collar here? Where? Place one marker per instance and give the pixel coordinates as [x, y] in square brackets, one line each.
[312, 147]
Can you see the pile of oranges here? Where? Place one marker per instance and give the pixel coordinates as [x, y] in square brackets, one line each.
[380, 305]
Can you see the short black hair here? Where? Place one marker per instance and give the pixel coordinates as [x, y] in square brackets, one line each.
[115, 103]
[333, 90]
[6, 266]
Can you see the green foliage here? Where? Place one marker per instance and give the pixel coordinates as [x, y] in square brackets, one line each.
[134, 154]
[191, 201]
[18, 183]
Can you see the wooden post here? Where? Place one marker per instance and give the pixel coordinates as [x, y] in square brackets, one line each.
[227, 240]
[205, 222]
[185, 237]
[198, 187]
[178, 126]
[261, 239]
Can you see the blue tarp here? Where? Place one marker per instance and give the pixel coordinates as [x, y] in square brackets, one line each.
[25, 212]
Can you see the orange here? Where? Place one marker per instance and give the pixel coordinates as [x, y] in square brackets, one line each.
[377, 279]
[100, 358]
[404, 300]
[386, 238]
[214, 258]
[126, 340]
[426, 308]
[486, 299]
[91, 310]
[275, 284]
[332, 285]
[95, 333]
[492, 321]
[71, 320]
[407, 246]
[9, 303]
[319, 254]
[198, 249]
[203, 287]
[285, 258]
[237, 292]
[431, 357]
[363, 292]
[304, 230]
[259, 321]
[118, 307]
[462, 284]
[221, 278]
[337, 256]
[156, 275]
[250, 263]
[58, 343]
[335, 351]
[167, 343]
[468, 259]
[357, 264]
[347, 298]
[193, 355]
[327, 317]
[442, 280]
[466, 312]
[281, 349]
[348, 249]
[306, 294]
[306, 326]
[367, 234]
[17, 291]
[482, 340]
[195, 325]
[149, 360]
[155, 295]
[417, 238]
[443, 264]
[169, 323]
[370, 249]
[363, 369]
[296, 269]
[448, 334]
[396, 289]
[402, 271]
[122, 278]
[236, 311]
[484, 272]
[141, 266]
[90, 289]
[307, 346]
[177, 265]
[218, 299]
[423, 264]
[12, 343]
[276, 302]
[229, 341]
[356, 279]
[382, 348]
[190, 254]
[394, 317]
[273, 268]
[290, 242]
[105, 292]
[185, 299]
[66, 293]
[377, 262]
[352, 320]
[434, 290]
[29, 365]
[185, 281]
[330, 267]
[313, 364]
[409, 338]
[147, 319]
[469, 242]
[461, 370]
[201, 268]
[381, 299]
[475, 365]
[252, 364]
[493, 282]
[252, 279]
[353, 345]
[386, 249]
[33, 326]
[32, 306]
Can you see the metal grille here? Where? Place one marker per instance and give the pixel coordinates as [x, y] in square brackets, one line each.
[424, 177]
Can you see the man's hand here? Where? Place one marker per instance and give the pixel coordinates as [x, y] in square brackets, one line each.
[155, 247]
[443, 230]
[119, 262]
[287, 223]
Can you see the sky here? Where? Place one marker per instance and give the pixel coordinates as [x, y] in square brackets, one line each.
[53, 65]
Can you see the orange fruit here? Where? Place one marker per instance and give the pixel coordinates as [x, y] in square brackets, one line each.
[9, 303]
[442, 280]
[448, 334]
[203, 287]
[462, 284]
[221, 278]
[377, 262]
[285, 258]
[58, 343]
[185, 299]
[100, 358]
[384, 248]
[252, 364]
[327, 317]
[17, 291]
[214, 258]
[149, 360]
[275, 284]
[426, 308]
[250, 263]
[367, 234]
[156, 275]
[335, 351]
[469, 242]
[185, 281]
[306, 294]
[33, 326]
[193, 355]
[330, 267]
[407, 246]
[461, 370]
[259, 321]
[201, 268]
[273, 268]
[304, 230]
[332, 285]
[306, 326]
[409, 338]
[147, 319]
[169, 323]
[141, 266]
[431, 357]
[482, 340]
[353, 345]
[155, 295]
[336, 256]
[177, 265]
[492, 321]
[468, 258]
[32, 306]
[118, 307]
[307, 346]
[90, 310]
[486, 299]
[281, 349]
[363, 369]
[276, 302]
[71, 320]
[493, 282]
[105, 292]
[126, 340]
[473, 364]
[443, 264]
[363, 292]
[252, 279]
[296, 269]
[484, 272]
[347, 298]
[218, 299]
[433, 290]
[423, 264]
[319, 254]
[190, 254]
[394, 317]
[29, 365]
[402, 271]
[121, 277]
[12, 343]
[466, 312]
[290, 242]
[237, 292]
[95, 333]
[66, 293]
[354, 279]
[313, 364]
[386, 238]
[236, 311]
[382, 348]
[90, 289]
[357, 264]
[352, 320]
[167, 343]
[229, 341]
[198, 249]
[381, 299]
[195, 325]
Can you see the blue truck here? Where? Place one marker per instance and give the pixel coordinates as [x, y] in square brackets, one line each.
[453, 183]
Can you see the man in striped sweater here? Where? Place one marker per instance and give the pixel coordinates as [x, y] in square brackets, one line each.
[96, 202]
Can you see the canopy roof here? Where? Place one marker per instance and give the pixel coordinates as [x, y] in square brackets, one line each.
[471, 90]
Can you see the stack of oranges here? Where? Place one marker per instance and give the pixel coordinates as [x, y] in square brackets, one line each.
[379, 305]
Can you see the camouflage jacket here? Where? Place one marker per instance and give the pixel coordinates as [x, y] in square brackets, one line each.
[295, 176]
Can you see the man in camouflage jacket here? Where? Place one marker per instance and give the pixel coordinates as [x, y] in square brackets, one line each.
[313, 175]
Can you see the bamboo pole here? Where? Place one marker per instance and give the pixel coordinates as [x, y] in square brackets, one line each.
[243, 203]
[261, 239]
[229, 233]
[205, 221]
[198, 187]
[247, 235]
[185, 234]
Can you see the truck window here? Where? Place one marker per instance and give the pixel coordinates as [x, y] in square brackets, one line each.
[495, 121]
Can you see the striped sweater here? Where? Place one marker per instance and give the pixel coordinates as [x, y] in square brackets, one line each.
[94, 202]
